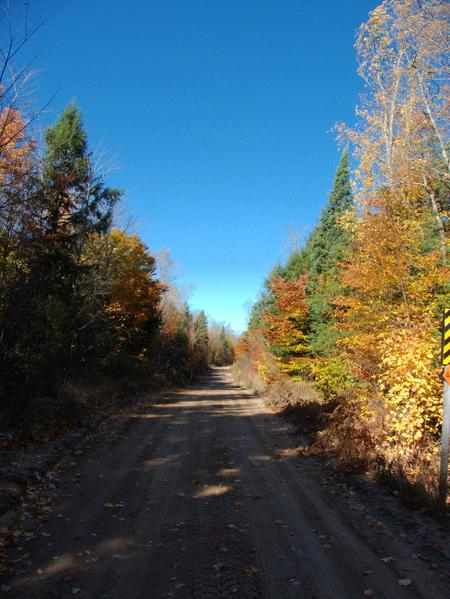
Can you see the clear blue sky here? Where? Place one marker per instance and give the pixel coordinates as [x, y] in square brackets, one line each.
[218, 115]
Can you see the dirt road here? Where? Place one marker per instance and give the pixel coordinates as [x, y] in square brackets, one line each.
[203, 496]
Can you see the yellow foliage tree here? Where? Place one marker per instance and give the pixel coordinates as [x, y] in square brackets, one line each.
[398, 270]
[126, 278]
[390, 319]
[133, 291]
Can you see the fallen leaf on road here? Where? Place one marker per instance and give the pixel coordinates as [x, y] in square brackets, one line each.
[386, 560]
[425, 559]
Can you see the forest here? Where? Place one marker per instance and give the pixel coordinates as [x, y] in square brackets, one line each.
[347, 330]
[151, 448]
[346, 333]
[88, 314]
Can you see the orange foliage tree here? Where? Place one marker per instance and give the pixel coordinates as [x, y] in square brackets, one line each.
[15, 148]
[285, 325]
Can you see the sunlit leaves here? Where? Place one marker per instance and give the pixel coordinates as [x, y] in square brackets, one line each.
[285, 328]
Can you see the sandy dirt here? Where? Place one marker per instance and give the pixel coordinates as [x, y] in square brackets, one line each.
[202, 494]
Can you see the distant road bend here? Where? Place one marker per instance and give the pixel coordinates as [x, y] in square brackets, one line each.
[202, 497]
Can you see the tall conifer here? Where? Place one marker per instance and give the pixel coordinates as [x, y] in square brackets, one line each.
[325, 250]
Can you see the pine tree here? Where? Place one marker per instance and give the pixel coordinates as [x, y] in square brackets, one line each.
[201, 344]
[72, 203]
[201, 331]
[227, 348]
[294, 268]
[324, 251]
[328, 242]
[317, 263]
[77, 201]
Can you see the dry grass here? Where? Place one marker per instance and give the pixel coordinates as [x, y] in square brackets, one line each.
[356, 445]
[353, 444]
[296, 400]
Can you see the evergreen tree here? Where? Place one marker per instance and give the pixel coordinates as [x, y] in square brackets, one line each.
[324, 251]
[295, 266]
[265, 303]
[61, 292]
[227, 348]
[320, 260]
[201, 345]
[77, 202]
[201, 331]
[186, 326]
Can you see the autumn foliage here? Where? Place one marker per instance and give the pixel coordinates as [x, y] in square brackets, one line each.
[285, 325]
[370, 338]
[81, 306]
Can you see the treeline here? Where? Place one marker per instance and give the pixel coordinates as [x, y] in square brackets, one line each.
[356, 312]
[81, 307]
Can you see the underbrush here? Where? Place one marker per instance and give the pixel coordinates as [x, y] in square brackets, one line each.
[301, 404]
[354, 444]
[298, 401]
[39, 418]
[245, 375]
[29, 418]
[411, 471]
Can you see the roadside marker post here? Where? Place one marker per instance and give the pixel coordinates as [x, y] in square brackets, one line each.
[445, 360]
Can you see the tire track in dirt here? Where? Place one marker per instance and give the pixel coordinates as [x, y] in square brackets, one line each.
[202, 498]
[83, 522]
[329, 559]
[320, 560]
